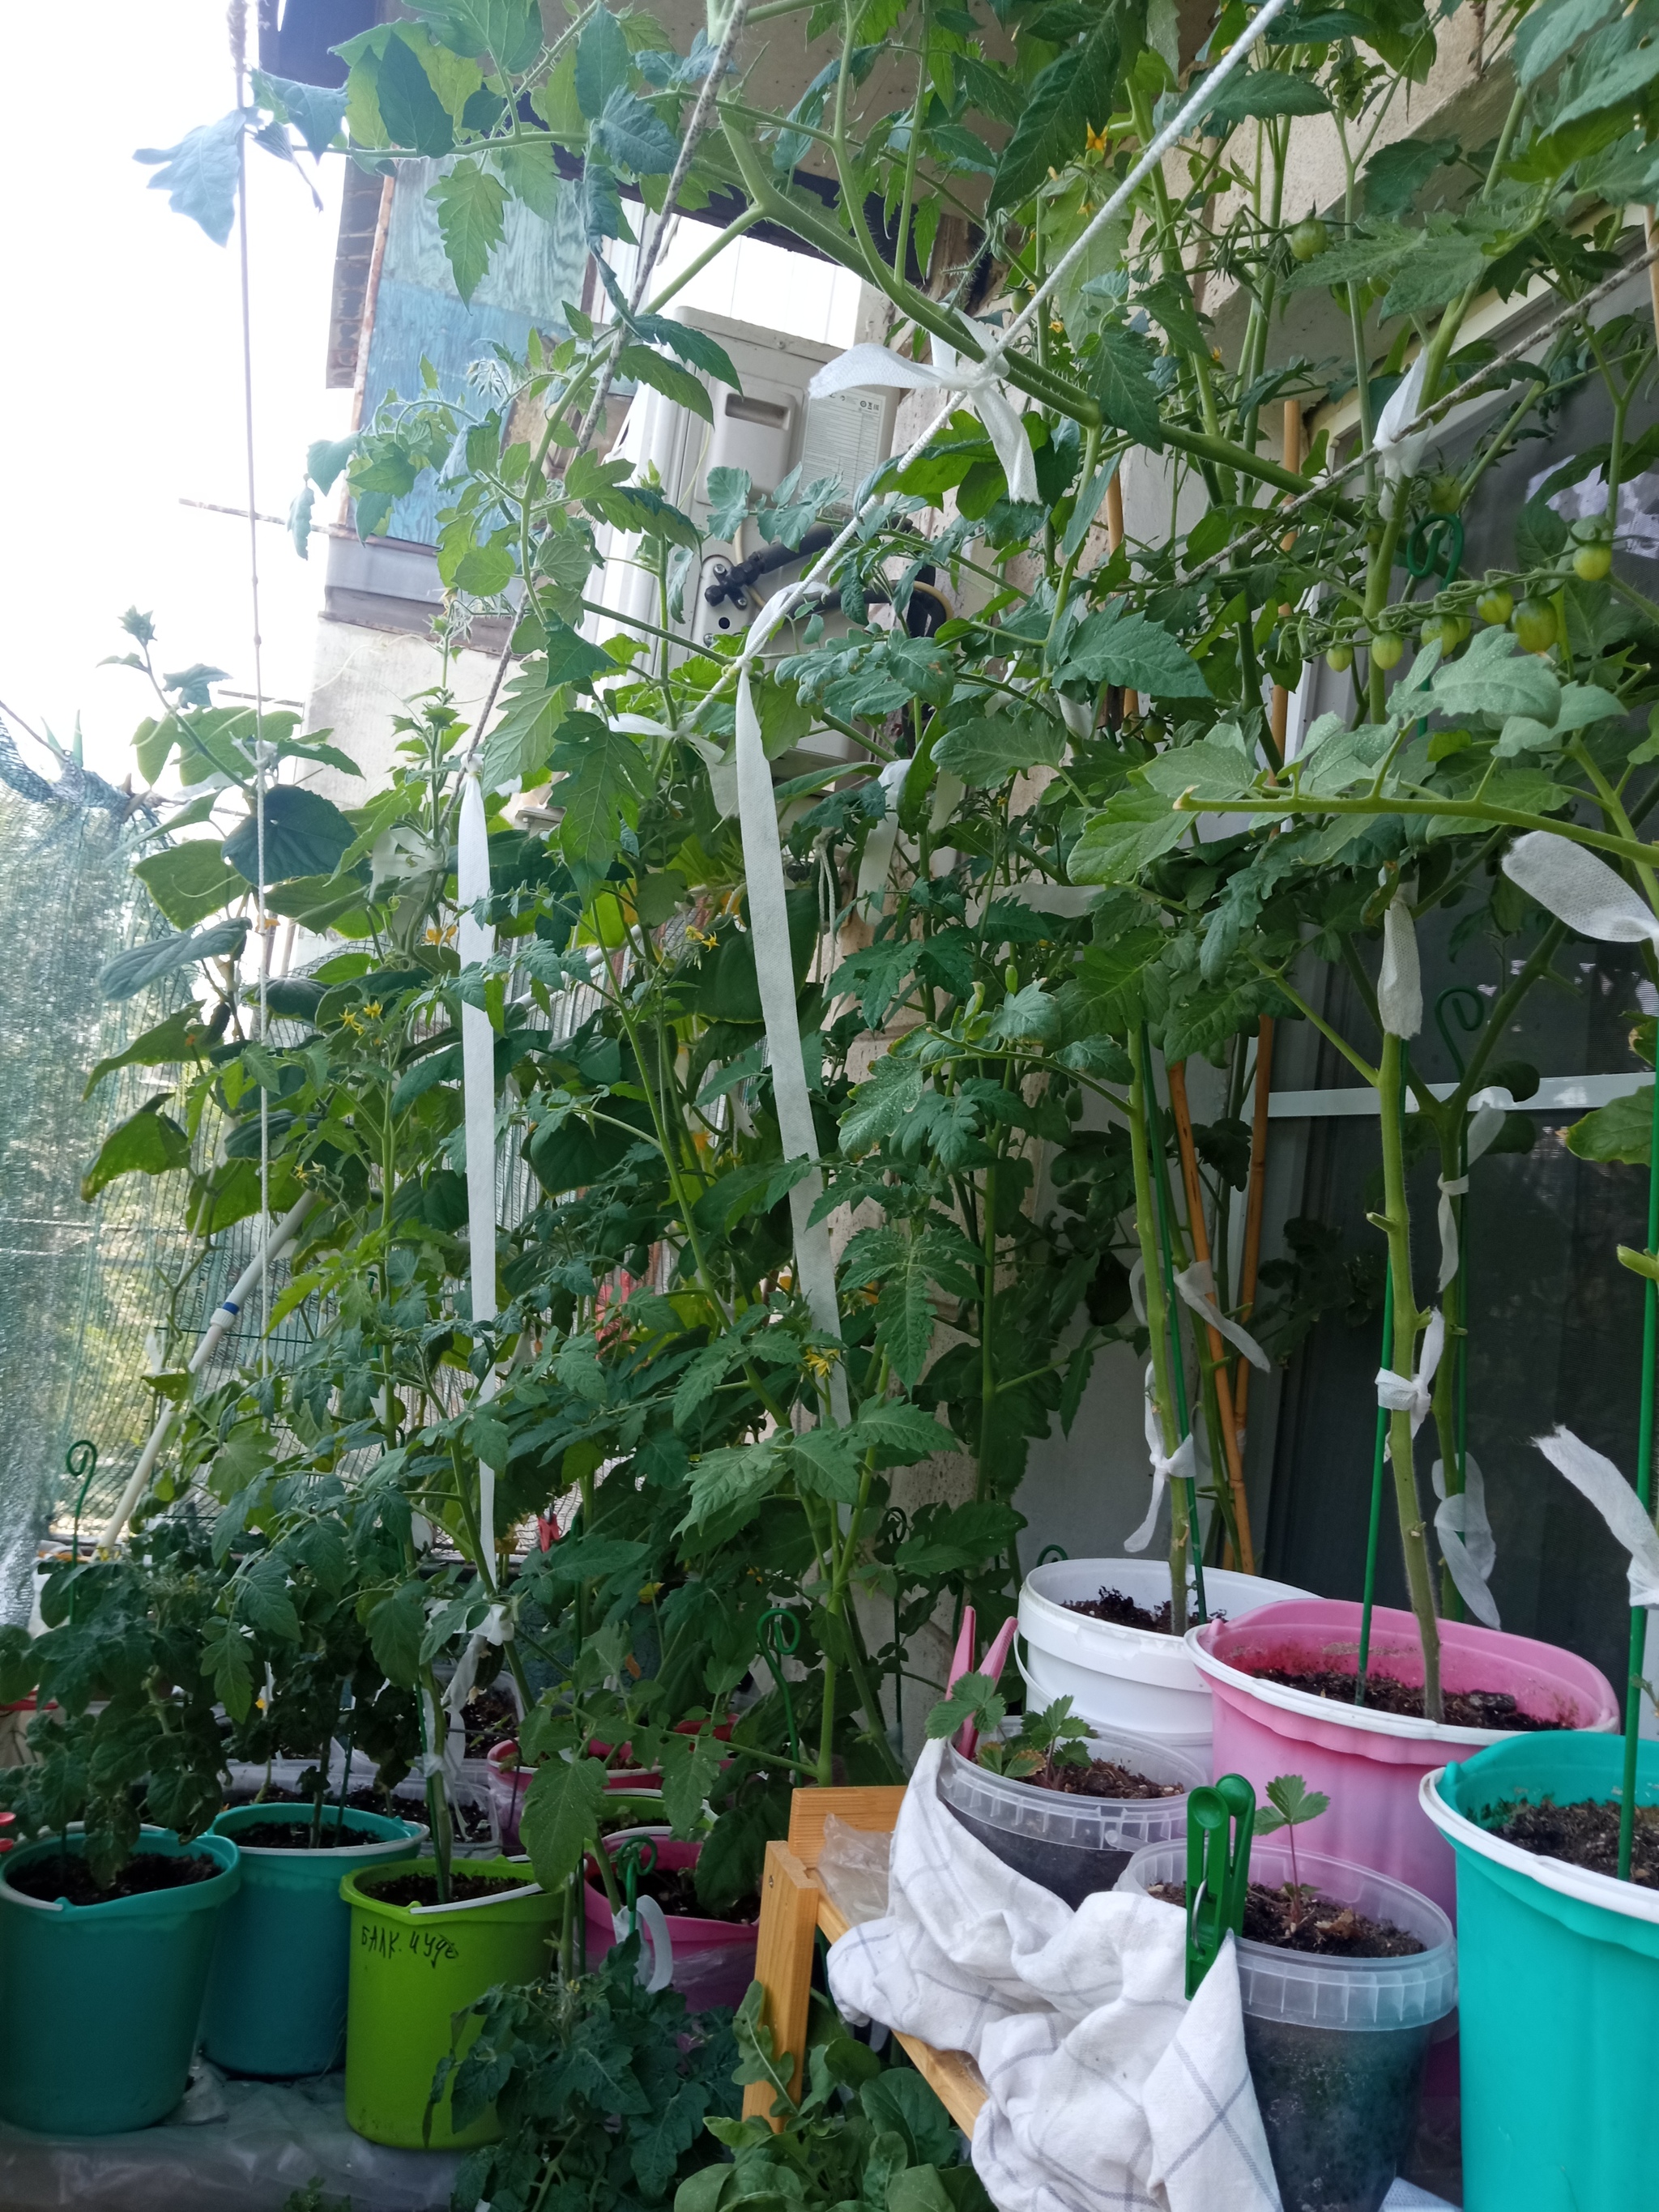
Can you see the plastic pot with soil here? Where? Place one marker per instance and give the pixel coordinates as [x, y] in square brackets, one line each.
[710, 1958]
[508, 1782]
[414, 1963]
[277, 1996]
[1097, 1630]
[1342, 1975]
[1560, 1971]
[1284, 1683]
[100, 1992]
[1072, 1830]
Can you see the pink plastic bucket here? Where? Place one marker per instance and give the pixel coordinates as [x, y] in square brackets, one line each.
[1370, 1764]
[714, 1960]
[508, 1782]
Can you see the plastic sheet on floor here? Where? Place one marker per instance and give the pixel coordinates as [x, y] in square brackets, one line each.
[229, 2146]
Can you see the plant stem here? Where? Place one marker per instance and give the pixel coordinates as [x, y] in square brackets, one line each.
[1408, 1323]
[1157, 1324]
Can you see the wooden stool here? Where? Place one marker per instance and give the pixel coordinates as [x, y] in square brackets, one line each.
[793, 1907]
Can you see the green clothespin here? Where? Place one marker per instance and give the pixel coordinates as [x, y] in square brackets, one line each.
[1219, 1822]
[779, 1636]
[1435, 547]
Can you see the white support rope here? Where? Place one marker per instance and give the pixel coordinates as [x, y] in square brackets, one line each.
[238, 21]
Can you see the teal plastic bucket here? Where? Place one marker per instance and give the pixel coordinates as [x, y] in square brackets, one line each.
[276, 1996]
[1558, 1988]
[99, 2004]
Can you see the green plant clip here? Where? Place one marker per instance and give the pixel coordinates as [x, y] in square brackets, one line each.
[635, 1858]
[1220, 1820]
[81, 1459]
[1435, 547]
[780, 1638]
[1052, 1551]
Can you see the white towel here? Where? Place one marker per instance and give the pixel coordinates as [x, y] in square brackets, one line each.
[1106, 2088]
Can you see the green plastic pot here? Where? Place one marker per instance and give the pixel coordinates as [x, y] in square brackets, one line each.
[412, 1968]
[1558, 1988]
[99, 2004]
[276, 1996]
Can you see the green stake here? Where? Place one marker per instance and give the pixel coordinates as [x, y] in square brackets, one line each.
[1638, 1618]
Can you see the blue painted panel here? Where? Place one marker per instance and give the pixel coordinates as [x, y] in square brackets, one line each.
[419, 315]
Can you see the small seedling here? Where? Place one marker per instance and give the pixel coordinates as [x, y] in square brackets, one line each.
[1056, 1737]
[1291, 1804]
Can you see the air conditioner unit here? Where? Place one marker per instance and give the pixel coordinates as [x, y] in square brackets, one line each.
[769, 427]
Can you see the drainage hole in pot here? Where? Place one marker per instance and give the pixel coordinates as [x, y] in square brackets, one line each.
[65, 1874]
[464, 1888]
[1299, 1919]
[1584, 1835]
[1478, 1709]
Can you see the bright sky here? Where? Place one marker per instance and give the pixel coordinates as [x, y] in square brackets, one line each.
[122, 382]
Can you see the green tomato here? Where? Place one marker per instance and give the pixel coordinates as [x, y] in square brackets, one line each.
[1010, 977]
[1496, 605]
[1310, 239]
[1339, 659]
[1445, 493]
[1387, 648]
[1534, 625]
[1590, 563]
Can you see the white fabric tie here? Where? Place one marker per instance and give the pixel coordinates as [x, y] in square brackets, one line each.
[1414, 1394]
[1400, 456]
[1196, 1285]
[1600, 1480]
[1572, 884]
[1483, 1130]
[446, 1761]
[1400, 982]
[475, 943]
[979, 382]
[879, 845]
[1177, 1468]
[775, 972]
[1466, 1543]
[495, 1627]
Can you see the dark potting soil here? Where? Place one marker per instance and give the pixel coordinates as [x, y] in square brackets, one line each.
[1123, 1612]
[296, 1835]
[1101, 1778]
[675, 1889]
[471, 1822]
[464, 1888]
[490, 1717]
[1480, 1709]
[1585, 1835]
[65, 1875]
[1308, 1922]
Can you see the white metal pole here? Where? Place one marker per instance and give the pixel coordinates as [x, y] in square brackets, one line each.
[223, 1317]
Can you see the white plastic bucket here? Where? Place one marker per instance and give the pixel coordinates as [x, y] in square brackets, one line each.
[1130, 1679]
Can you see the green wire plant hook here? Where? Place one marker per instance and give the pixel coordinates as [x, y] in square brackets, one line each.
[780, 1638]
[1220, 1820]
[1052, 1551]
[1470, 1008]
[637, 1856]
[1435, 547]
[80, 1461]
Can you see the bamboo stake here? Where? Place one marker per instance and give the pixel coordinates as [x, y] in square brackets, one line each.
[1176, 1072]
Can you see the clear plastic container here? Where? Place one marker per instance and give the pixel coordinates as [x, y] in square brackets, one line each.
[1336, 2046]
[1073, 1846]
